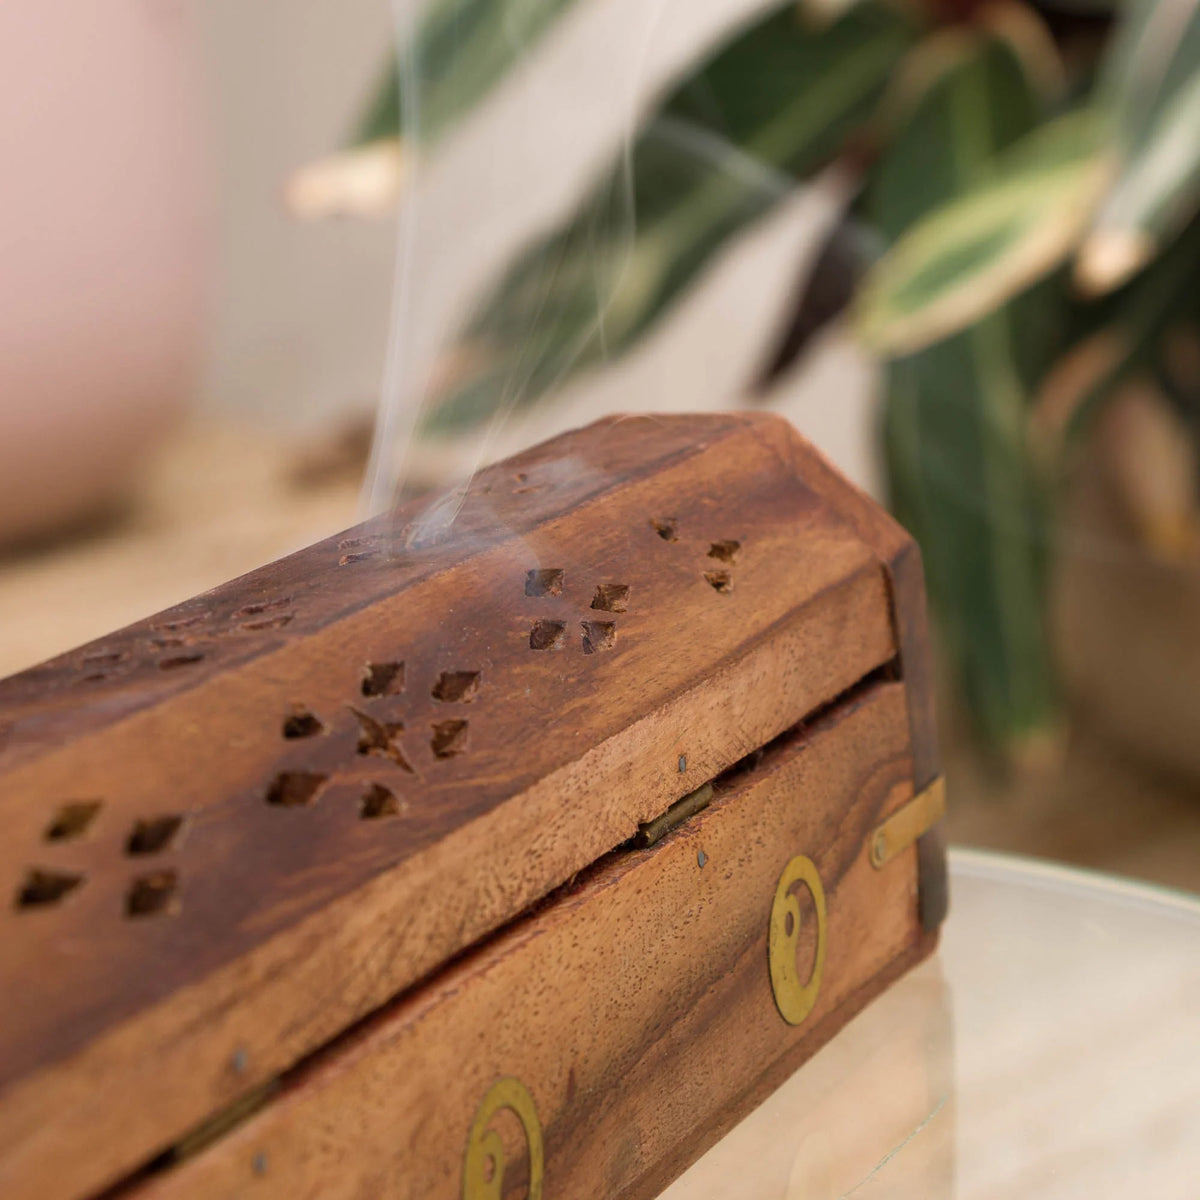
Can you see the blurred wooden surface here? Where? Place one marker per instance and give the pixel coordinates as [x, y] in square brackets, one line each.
[224, 499]
[219, 501]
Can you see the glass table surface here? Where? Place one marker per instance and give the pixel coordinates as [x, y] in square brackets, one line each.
[1049, 1050]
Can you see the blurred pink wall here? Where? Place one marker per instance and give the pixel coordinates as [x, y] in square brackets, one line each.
[103, 246]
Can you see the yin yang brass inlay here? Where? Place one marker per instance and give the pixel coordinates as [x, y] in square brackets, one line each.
[795, 998]
[483, 1169]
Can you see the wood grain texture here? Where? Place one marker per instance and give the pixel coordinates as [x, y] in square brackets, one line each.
[261, 930]
[637, 1008]
[901, 557]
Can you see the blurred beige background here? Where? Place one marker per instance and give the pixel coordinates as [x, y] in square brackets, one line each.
[300, 310]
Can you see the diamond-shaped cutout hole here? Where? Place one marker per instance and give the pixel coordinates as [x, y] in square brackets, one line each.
[269, 623]
[667, 528]
[544, 582]
[380, 738]
[300, 723]
[72, 820]
[456, 687]
[378, 801]
[179, 660]
[449, 738]
[262, 606]
[103, 658]
[720, 581]
[295, 789]
[152, 895]
[154, 834]
[611, 597]
[547, 635]
[598, 635]
[725, 551]
[174, 626]
[43, 888]
[383, 679]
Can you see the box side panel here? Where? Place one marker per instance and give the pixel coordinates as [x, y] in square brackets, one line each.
[901, 559]
[638, 1014]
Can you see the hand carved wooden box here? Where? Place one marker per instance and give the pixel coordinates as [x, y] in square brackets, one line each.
[509, 845]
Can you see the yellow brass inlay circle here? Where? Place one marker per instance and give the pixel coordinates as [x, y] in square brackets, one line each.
[794, 999]
[483, 1170]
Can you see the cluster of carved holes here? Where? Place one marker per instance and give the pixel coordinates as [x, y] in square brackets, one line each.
[720, 579]
[378, 737]
[551, 634]
[149, 894]
[176, 635]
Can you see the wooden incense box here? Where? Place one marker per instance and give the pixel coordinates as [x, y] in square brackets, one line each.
[515, 843]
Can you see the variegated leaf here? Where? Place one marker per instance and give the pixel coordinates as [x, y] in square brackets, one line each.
[954, 418]
[770, 107]
[982, 248]
[1125, 336]
[460, 50]
[1156, 192]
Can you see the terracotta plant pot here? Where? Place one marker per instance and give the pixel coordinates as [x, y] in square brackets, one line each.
[103, 220]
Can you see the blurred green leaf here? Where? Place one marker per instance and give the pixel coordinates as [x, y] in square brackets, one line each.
[769, 108]
[990, 242]
[1155, 194]
[461, 49]
[1153, 56]
[1150, 93]
[1121, 337]
[955, 416]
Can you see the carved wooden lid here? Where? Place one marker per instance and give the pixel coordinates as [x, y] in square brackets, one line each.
[234, 829]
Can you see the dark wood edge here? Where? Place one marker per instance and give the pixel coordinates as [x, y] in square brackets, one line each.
[900, 558]
[906, 587]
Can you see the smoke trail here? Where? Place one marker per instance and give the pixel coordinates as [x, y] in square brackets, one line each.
[396, 420]
[399, 414]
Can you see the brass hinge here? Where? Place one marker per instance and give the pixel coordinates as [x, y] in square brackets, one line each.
[654, 831]
[907, 824]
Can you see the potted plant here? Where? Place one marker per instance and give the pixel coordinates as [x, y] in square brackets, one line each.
[1018, 250]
